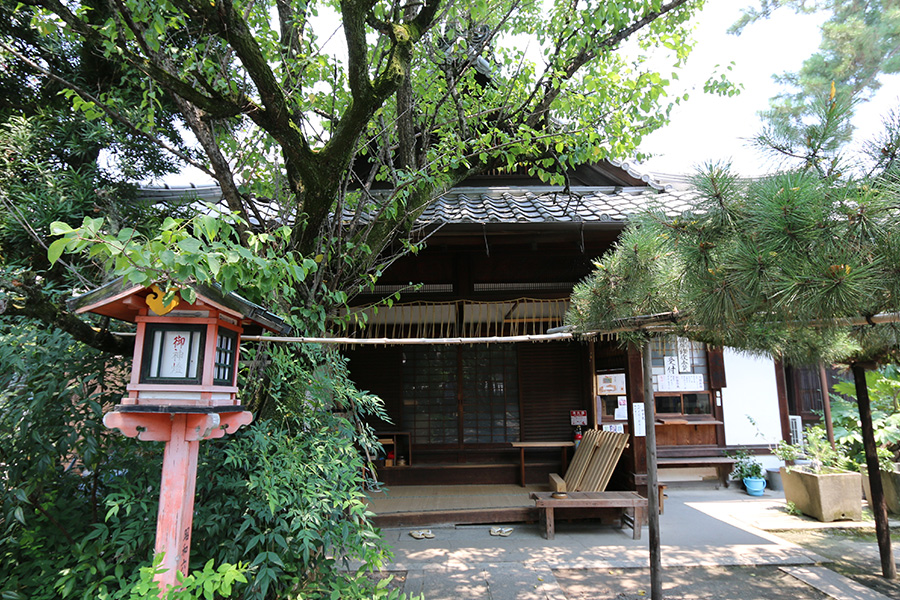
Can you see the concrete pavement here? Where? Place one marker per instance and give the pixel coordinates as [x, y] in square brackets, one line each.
[702, 529]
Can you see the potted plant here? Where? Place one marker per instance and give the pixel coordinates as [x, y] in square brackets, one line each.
[823, 489]
[750, 472]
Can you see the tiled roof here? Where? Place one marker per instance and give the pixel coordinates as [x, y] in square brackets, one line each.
[548, 205]
[505, 205]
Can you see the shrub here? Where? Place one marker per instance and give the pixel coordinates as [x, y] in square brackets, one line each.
[284, 496]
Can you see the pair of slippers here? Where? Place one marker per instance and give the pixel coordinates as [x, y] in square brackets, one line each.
[501, 531]
[422, 534]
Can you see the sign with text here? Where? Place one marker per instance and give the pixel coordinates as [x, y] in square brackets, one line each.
[670, 365]
[683, 348]
[640, 421]
[611, 384]
[579, 417]
[680, 383]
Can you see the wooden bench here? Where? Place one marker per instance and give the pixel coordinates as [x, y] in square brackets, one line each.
[620, 500]
[724, 465]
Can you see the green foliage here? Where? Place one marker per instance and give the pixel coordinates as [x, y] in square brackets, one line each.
[745, 465]
[60, 466]
[769, 265]
[203, 249]
[206, 584]
[296, 132]
[817, 450]
[791, 509]
[720, 85]
[283, 496]
[295, 135]
[40, 185]
[884, 396]
[859, 44]
[294, 484]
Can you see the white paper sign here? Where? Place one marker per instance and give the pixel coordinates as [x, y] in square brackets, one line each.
[683, 346]
[611, 383]
[621, 413]
[623, 400]
[640, 422]
[617, 428]
[680, 383]
[670, 365]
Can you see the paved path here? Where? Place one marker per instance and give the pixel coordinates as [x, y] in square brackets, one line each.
[699, 529]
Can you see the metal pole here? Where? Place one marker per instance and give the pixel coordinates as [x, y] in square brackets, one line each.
[652, 479]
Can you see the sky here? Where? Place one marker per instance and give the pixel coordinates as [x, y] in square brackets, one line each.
[712, 128]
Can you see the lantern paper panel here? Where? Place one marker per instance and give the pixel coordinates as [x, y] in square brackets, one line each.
[175, 354]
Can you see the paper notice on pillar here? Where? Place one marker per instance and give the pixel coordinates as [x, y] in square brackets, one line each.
[640, 422]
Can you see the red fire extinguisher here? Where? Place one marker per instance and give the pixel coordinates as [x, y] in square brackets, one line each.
[577, 435]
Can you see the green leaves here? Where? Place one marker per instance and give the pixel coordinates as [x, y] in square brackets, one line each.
[214, 254]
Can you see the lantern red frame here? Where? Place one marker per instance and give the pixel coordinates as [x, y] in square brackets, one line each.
[181, 414]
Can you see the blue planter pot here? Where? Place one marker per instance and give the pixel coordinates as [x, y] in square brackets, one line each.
[755, 485]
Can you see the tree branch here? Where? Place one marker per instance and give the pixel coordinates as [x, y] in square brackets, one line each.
[586, 54]
[36, 305]
[111, 112]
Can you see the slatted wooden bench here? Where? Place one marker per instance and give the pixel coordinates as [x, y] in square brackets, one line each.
[724, 465]
[593, 463]
[623, 501]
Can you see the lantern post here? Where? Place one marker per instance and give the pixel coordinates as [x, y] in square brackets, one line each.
[183, 389]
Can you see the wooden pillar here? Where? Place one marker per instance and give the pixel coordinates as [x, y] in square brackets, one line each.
[783, 410]
[636, 450]
[652, 479]
[182, 433]
[176, 503]
[826, 404]
[877, 502]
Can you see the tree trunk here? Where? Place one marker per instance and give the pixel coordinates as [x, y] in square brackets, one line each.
[652, 478]
[876, 501]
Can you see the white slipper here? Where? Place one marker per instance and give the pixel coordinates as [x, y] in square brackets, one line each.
[427, 534]
[506, 531]
[495, 530]
[417, 534]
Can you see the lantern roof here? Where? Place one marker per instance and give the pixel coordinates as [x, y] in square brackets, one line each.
[118, 300]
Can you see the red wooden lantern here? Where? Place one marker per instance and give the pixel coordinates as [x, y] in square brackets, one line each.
[183, 388]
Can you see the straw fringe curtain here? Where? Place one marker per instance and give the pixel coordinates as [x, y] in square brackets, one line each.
[525, 316]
